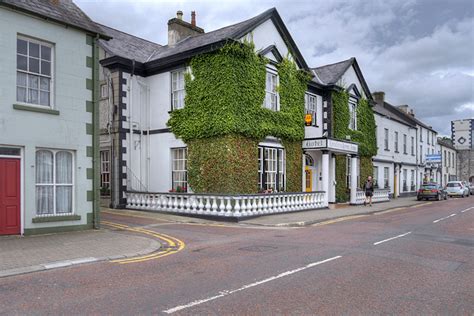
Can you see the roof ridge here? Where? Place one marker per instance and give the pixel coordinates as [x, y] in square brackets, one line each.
[126, 33]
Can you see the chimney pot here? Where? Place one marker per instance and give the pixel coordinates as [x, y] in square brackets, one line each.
[193, 18]
[179, 15]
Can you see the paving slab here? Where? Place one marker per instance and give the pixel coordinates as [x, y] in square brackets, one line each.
[35, 253]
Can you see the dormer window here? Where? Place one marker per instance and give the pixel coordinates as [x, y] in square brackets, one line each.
[271, 95]
[353, 113]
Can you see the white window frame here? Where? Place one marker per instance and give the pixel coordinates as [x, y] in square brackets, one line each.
[375, 175]
[311, 106]
[39, 75]
[386, 177]
[396, 141]
[412, 180]
[278, 172]
[428, 137]
[180, 97]
[55, 185]
[405, 180]
[103, 91]
[348, 171]
[181, 183]
[273, 91]
[405, 144]
[413, 146]
[353, 113]
[385, 139]
[105, 168]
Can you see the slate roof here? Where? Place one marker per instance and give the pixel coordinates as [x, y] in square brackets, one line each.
[61, 11]
[231, 32]
[128, 46]
[330, 74]
[388, 110]
[416, 120]
[446, 143]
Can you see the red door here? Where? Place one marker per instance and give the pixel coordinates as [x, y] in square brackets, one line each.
[9, 196]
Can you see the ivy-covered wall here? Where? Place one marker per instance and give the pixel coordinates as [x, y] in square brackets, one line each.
[223, 164]
[365, 136]
[223, 116]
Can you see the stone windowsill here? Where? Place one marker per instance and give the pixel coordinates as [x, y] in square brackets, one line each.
[59, 218]
[38, 109]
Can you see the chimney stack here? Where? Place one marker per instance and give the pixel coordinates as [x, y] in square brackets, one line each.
[178, 29]
[379, 97]
[193, 18]
[405, 108]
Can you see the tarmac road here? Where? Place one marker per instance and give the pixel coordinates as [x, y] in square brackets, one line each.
[418, 261]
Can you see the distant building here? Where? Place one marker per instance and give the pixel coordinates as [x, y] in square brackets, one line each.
[447, 169]
[462, 133]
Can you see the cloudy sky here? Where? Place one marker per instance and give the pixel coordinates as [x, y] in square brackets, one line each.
[420, 53]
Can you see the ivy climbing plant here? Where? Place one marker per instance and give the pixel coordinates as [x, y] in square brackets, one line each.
[365, 136]
[223, 118]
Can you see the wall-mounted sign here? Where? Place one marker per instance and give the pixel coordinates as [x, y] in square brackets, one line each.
[308, 120]
[332, 145]
[435, 158]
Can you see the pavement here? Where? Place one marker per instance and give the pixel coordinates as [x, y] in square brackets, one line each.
[406, 261]
[44, 252]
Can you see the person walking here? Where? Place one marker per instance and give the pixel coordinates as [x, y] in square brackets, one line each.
[369, 190]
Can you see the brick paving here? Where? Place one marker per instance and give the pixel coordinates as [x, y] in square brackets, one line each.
[35, 253]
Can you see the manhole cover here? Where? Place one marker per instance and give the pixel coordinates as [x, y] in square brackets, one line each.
[258, 248]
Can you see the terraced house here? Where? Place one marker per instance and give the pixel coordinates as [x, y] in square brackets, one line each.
[223, 112]
[48, 138]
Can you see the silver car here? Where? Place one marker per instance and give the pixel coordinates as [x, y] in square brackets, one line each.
[457, 188]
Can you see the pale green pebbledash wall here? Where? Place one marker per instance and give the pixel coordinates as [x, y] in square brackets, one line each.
[70, 129]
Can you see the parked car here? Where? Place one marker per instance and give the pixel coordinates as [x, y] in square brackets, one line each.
[457, 188]
[431, 191]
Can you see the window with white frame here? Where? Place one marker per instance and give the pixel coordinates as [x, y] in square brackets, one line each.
[405, 144]
[421, 134]
[386, 177]
[54, 182]
[353, 113]
[348, 172]
[375, 175]
[178, 91]
[405, 179]
[103, 91]
[412, 180]
[271, 94]
[421, 153]
[179, 170]
[396, 142]
[271, 168]
[34, 79]
[105, 169]
[385, 139]
[428, 137]
[311, 106]
[413, 146]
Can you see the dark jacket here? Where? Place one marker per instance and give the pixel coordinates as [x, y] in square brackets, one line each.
[369, 186]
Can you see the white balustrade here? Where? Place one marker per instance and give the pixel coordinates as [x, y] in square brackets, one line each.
[232, 205]
[380, 195]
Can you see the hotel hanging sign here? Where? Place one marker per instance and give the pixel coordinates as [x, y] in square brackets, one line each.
[332, 145]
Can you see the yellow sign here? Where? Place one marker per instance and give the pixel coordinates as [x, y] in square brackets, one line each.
[308, 119]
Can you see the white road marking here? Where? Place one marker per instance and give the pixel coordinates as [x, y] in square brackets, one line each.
[388, 239]
[443, 218]
[225, 293]
[469, 208]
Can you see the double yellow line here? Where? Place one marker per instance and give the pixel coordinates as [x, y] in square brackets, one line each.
[172, 244]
